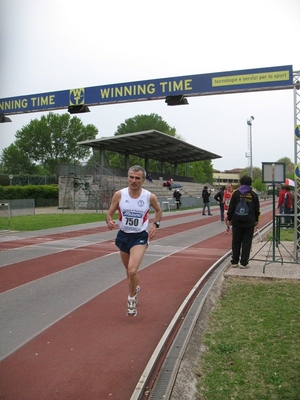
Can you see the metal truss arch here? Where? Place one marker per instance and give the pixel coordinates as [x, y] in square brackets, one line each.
[296, 82]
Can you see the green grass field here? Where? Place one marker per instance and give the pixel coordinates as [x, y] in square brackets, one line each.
[46, 221]
[252, 342]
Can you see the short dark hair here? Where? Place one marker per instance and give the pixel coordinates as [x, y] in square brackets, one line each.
[137, 168]
[246, 180]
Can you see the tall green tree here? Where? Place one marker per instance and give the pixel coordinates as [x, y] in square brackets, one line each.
[48, 141]
[16, 162]
[139, 123]
[256, 172]
[201, 171]
[289, 167]
[144, 122]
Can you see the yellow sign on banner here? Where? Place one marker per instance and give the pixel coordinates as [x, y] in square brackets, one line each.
[76, 97]
[250, 78]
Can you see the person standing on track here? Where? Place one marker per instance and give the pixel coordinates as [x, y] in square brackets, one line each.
[243, 225]
[226, 199]
[133, 205]
[219, 198]
[205, 197]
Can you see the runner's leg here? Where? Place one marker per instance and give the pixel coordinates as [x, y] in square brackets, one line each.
[135, 258]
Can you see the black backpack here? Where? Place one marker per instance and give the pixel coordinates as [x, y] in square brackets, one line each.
[243, 208]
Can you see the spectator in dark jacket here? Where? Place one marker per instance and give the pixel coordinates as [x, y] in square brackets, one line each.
[288, 206]
[177, 196]
[242, 230]
[219, 198]
[205, 197]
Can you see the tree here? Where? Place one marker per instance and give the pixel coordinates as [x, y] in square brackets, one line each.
[256, 173]
[144, 122]
[140, 123]
[289, 167]
[48, 142]
[201, 171]
[259, 186]
[207, 171]
[16, 162]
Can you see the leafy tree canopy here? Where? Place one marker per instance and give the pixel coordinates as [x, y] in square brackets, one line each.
[289, 167]
[144, 122]
[257, 173]
[201, 171]
[16, 162]
[47, 142]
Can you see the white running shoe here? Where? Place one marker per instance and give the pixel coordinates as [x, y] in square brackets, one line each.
[137, 291]
[131, 307]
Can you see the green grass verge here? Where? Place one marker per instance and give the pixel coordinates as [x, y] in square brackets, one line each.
[253, 342]
[285, 235]
[45, 221]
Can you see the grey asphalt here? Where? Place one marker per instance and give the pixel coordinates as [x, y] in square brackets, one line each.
[270, 261]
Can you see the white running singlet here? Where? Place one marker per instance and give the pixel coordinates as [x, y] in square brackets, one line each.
[134, 213]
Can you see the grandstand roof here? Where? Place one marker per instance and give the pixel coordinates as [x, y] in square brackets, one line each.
[152, 144]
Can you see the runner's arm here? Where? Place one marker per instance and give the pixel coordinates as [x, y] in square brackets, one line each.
[112, 209]
[158, 214]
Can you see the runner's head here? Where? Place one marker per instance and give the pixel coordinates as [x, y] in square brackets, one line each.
[137, 168]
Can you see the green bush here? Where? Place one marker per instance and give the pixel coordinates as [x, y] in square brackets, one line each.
[37, 192]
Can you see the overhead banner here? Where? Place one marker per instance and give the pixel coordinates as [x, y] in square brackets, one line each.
[192, 85]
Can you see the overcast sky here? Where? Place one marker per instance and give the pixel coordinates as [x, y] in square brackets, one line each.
[54, 45]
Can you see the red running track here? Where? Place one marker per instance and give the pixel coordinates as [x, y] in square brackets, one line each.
[96, 352]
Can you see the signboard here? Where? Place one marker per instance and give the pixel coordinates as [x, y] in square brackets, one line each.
[155, 89]
[273, 172]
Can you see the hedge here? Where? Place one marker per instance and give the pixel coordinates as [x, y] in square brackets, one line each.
[37, 192]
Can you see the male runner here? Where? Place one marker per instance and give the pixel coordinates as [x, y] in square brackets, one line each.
[133, 204]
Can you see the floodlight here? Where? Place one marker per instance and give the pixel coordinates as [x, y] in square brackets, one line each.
[78, 109]
[3, 119]
[176, 100]
[249, 121]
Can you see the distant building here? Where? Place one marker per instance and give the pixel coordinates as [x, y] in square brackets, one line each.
[223, 177]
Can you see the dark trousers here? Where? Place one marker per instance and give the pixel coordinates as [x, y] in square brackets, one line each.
[204, 207]
[287, 211]
[241, 244]
[222, 211]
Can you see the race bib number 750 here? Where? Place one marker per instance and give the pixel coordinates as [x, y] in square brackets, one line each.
[133, 219]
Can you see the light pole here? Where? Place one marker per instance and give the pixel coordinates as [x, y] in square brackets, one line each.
[249, 122]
